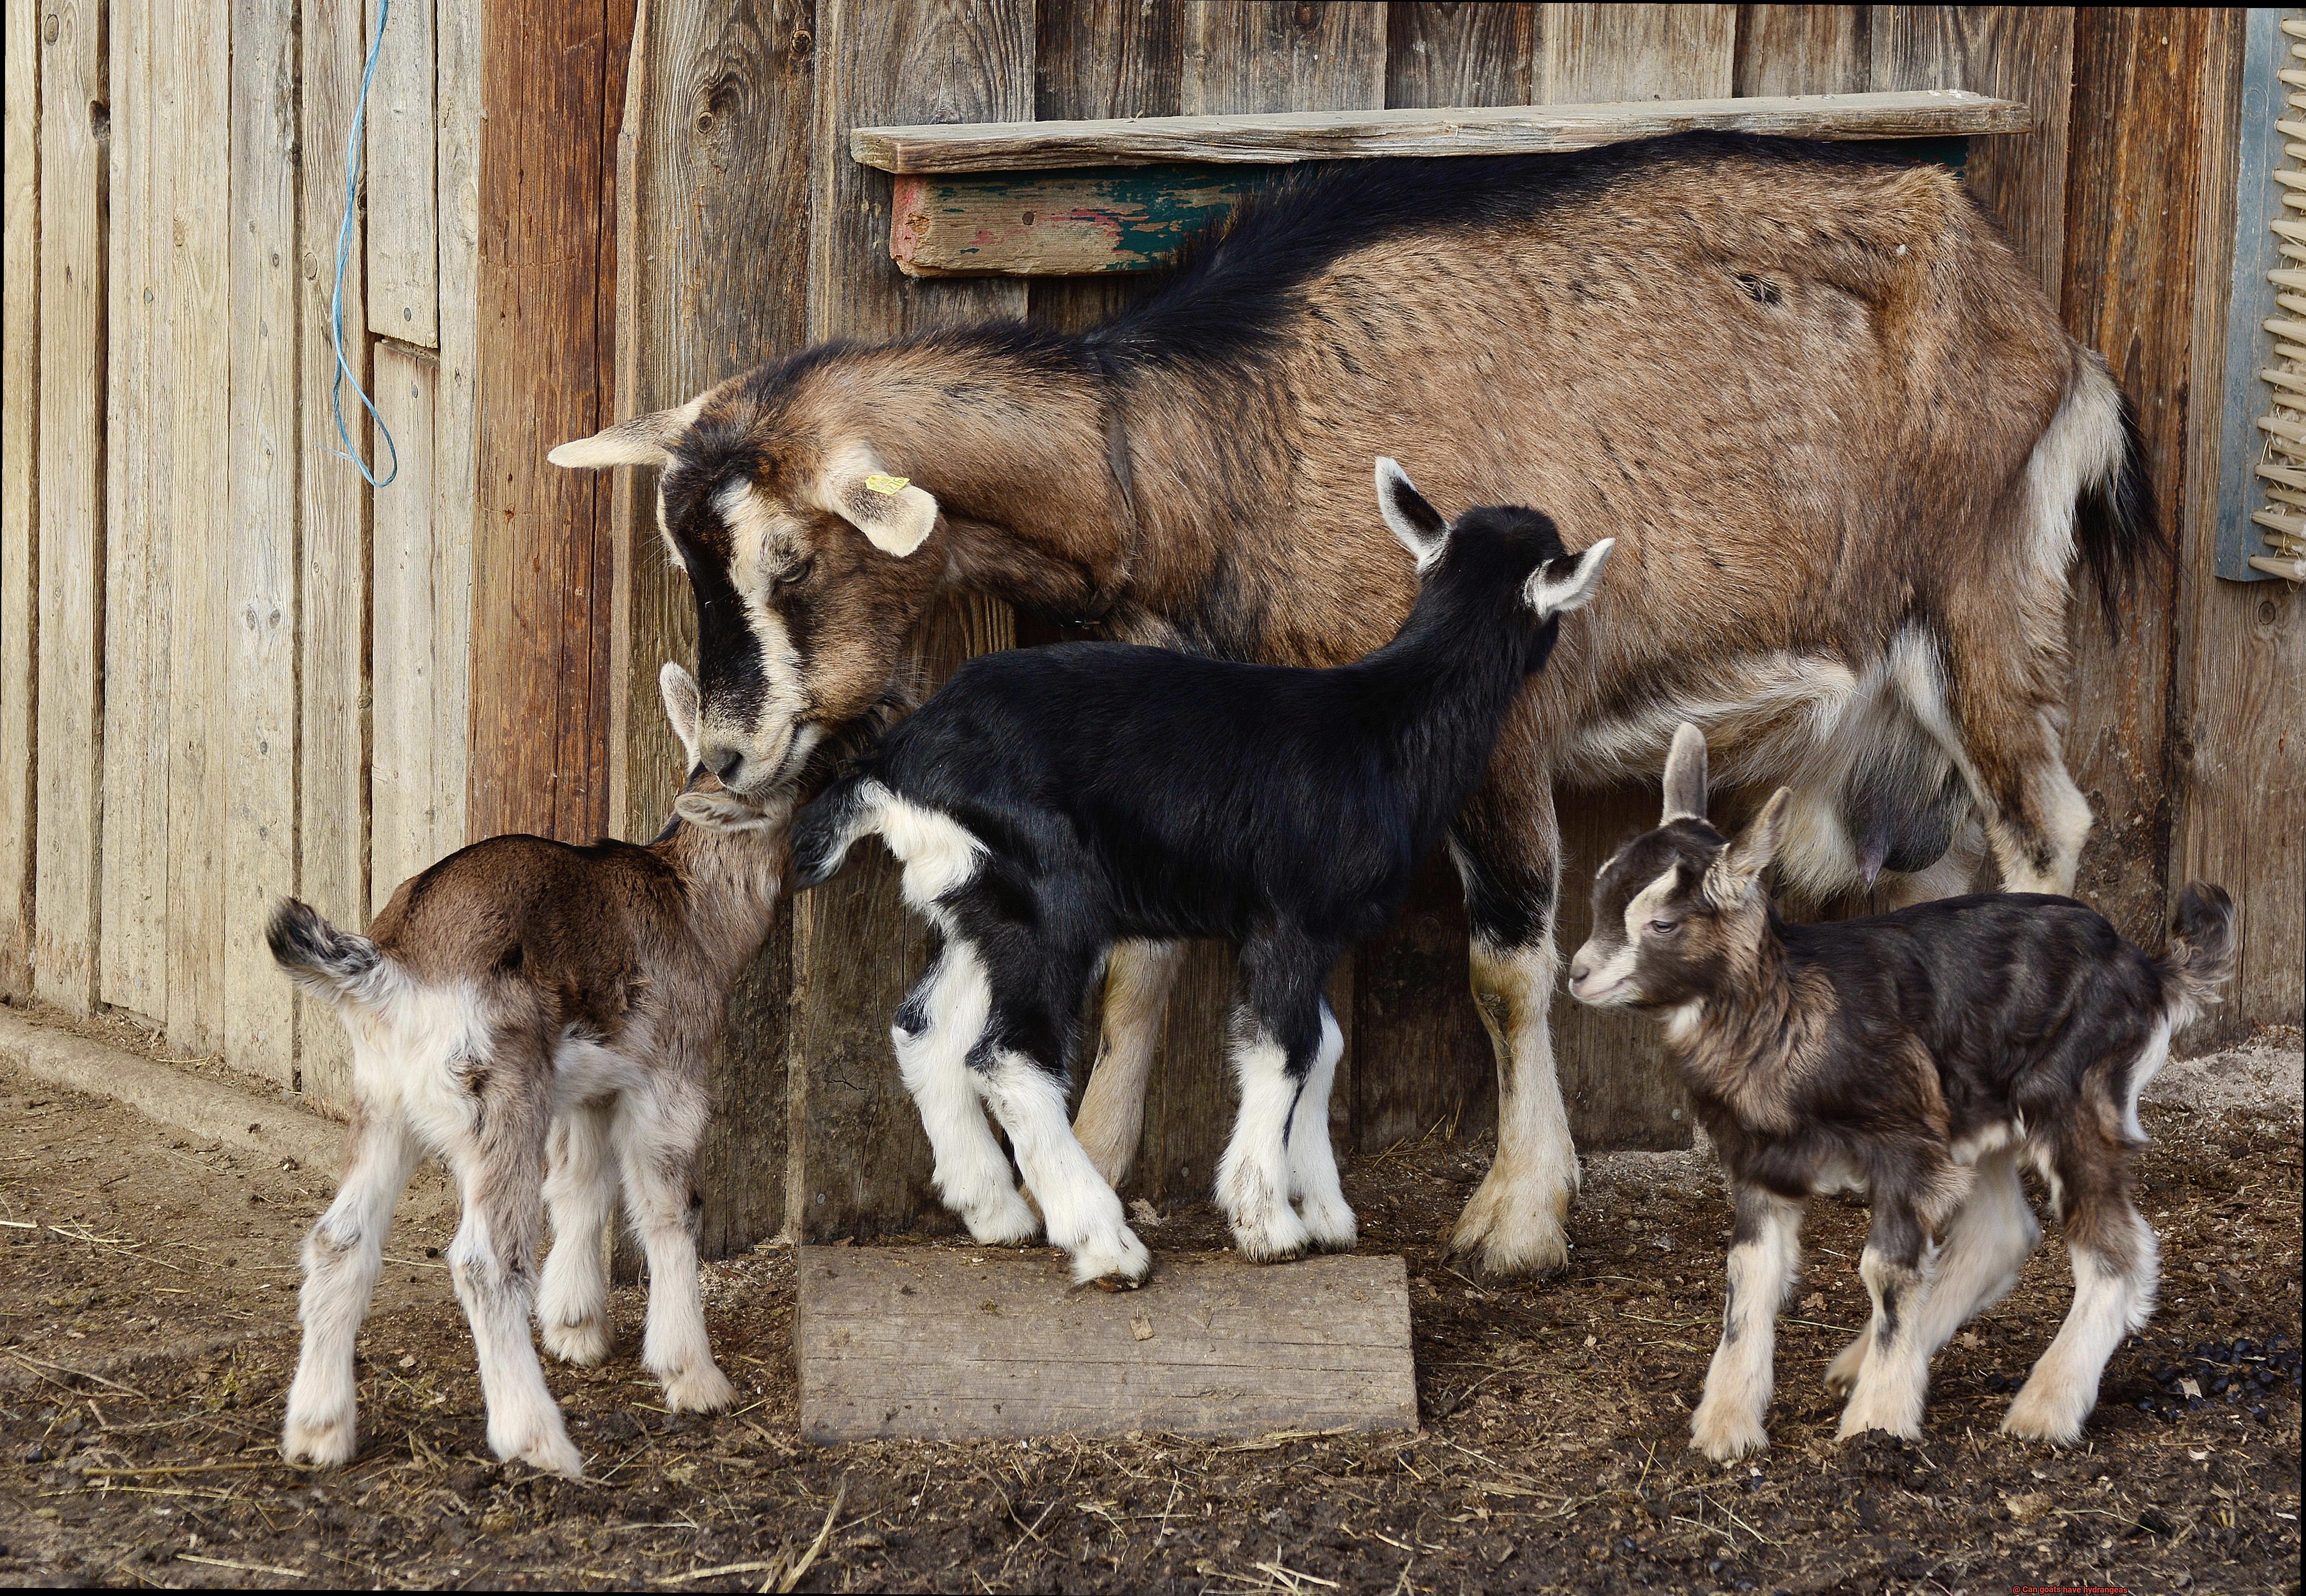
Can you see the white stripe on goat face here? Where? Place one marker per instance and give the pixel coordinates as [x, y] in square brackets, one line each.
[1606, 979]
[761, 543]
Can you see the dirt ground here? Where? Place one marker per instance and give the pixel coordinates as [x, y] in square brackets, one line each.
[146, 1333]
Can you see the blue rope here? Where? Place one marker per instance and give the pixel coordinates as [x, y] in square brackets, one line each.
[337, 298]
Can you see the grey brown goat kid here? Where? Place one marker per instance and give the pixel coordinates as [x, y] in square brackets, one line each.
[1921, 1058]
[520, 1002]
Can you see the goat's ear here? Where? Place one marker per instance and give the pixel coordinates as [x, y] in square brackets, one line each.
[1737, 866]
[895, 517]
[679, 691]
[1417, 524]
[643, 440]
[1685, 776]
[1561, 585]
[717, 809]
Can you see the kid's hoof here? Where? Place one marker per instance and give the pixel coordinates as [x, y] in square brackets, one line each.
[1000, 1222]
[321, 1446]
[705, 1390]
[1841, 1374]
[1329, 1227]
[1120, 1264]
[2037, 1416]
[552, 1453]
[585, 1343]
[1726, 1437]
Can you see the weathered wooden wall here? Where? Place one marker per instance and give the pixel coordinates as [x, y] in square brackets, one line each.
[229, 669]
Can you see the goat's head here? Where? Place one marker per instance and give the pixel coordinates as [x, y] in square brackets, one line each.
[1678, 908]
[1491, 546]
[705, 800]
[811, 557]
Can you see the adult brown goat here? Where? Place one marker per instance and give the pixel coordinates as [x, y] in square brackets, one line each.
[1847, 451]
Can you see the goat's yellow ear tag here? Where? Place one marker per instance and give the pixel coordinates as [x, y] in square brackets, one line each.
[881, 482]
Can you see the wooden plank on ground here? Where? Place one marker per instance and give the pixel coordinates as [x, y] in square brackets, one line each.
[859, 1160]
[403, 264]
[73, 177]
[719, 118]
[541, 555]
[20, 495]
[191, 60]
[332, 506]
[1639, 74]
[2129, 291]
[2238, 763]
[132, 959]
[259, 702]
[407, 827]
[946, 1344]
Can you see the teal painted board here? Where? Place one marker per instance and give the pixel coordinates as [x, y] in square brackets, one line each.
[1087, 220]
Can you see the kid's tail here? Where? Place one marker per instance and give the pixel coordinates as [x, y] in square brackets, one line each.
[827, 827]
[329, 963]
[2200, 957]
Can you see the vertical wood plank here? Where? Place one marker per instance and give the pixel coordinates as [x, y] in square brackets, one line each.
[133, 971]
[2023, 53]
[258, 704]
[403, 263]
[1459, 54]
[407, 827]
[19, 494]
[74, 128]
[192, 64]
[332, 503]
[859, 1159]
[1271, 55]
[2129, 286]
[1803, 49]
[1635, 52]
[456, 148]
[541, 557]
[2238, 762]
[719, 118]
[1615, 1079]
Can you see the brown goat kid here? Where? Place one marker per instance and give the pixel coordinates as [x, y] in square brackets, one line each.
[523, 989]
[1836, 426]
[1920, 1059]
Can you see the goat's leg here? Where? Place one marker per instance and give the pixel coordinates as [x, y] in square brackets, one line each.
[1083, 1212]
[342, 1255]
[1988, 1242]
[1279, 1032]
[1765, 1253]
[937, 1025]
[498, 1164]
[1112, 1118]
[2117, 1265]
[1892, 1383]
[580, 1195]
[1313, 1184]
[1508, 849]
[657, 1133]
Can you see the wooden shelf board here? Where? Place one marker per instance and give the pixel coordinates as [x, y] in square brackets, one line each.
[1347, 135]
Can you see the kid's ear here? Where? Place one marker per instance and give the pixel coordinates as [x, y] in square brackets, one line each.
[1685, 776]
[643, 440]
[717, 809]
[895, 517]
[1417, 524]
[679, 691]
[1569, 583]
[1740, 865]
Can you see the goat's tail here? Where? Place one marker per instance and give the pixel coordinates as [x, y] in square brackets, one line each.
[2200, 957]
[2117, 526]
[333, 965]
[827, 827]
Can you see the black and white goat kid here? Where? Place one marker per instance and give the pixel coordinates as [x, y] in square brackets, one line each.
[1049, 803]
[1921, 1058]
[521, 1003]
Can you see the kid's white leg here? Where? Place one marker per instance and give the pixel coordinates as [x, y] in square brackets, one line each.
[2114, 1296]
[657, 1139]
[580, 1194]
[1764, 1255]
[937, 1027]
[1313, 1184]
[1253, 1177]
[1083, 1213]
[489, 1262]
[1893, 1382]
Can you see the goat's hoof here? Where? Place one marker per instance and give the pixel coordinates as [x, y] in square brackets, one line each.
[585, 1343]
[552, 1453]
[1726, 1437]
[1329, 1227]
[1841, 1374]
[1857, 1424]
[2037, 1417]
[1506, 1237]
[1271, 1241]
[1121, 1264]
[705, 1390]
[319, 1445]
[1003, 1224]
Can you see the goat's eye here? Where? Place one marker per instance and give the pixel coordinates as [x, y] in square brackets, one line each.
[1664, 927]
[794, 575]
